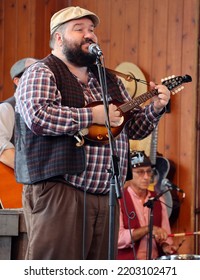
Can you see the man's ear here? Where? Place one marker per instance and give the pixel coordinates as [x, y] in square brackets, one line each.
[16, 80]
[59, 38]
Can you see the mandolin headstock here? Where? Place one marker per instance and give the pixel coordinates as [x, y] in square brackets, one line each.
[175, 83]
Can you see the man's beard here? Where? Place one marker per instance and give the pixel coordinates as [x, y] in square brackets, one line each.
[77, 56]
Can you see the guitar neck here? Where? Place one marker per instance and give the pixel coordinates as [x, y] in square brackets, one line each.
[154, 143]
[171, 83]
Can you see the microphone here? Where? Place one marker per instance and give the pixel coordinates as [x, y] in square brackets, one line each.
[95, 49]
[171, 186]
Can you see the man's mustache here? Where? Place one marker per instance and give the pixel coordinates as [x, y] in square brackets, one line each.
[87, 41]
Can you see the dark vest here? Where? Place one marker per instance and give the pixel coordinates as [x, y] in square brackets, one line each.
[11, 101]
[127, 253]
[40, 158]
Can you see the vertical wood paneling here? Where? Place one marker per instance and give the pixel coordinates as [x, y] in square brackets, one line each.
[197, 152]
[131, 31]
[27, 34]
[39, 29]
[10, 44]
[117, 33]
[187, 150]
[42, 24]
[173, 67]
[145, 42]
[159, 46]
[104, 7]
[22, 28]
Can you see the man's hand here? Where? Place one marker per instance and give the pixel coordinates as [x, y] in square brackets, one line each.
[169, 249]
[100, 118]
[159, 234]
[162, 99]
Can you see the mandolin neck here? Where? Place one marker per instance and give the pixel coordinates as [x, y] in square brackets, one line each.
[128, 106]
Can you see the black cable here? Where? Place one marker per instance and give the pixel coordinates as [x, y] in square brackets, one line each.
[130, 216]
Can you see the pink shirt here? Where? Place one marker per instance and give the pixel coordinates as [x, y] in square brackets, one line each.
[142, 212]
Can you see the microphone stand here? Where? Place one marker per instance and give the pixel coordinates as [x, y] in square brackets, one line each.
[115, 191]
[150, 205]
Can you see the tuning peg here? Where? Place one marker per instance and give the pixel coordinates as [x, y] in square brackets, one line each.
[177, 90]
[167, 78]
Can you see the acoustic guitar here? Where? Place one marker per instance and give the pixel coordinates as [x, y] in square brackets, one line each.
[161, 165]
[10, 190]
[161, 168]
[99, 133]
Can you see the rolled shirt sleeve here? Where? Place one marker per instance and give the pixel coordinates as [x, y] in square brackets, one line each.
[7, 121]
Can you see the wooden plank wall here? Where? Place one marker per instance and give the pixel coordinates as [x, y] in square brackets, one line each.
[161, 37]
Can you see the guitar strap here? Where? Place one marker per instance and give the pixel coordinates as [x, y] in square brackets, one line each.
[128, 78]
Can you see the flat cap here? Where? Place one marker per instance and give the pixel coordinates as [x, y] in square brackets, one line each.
[20, 66]
[71, 13]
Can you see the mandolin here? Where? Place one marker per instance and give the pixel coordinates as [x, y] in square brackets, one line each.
[99, 133]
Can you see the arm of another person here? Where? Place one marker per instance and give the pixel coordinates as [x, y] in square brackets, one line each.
[7, 120]
[167, 245]
[126, 236]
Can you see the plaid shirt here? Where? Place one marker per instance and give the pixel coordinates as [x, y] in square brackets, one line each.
[40, 103]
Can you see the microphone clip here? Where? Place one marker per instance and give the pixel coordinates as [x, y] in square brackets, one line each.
[151, 200]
